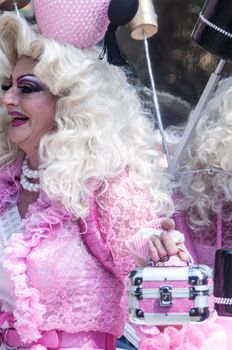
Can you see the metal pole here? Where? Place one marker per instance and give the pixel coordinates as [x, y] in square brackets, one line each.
[16, 9]
[196, 115]
[155, 100]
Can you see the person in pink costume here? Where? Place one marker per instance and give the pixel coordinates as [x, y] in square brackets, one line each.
[76, 161]
[202, 192]
[204, 186]
[204, 179]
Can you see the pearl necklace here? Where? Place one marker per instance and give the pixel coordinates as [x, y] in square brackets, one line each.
[28, 173]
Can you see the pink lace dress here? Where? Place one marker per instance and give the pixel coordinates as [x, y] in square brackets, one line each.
[203, 243]
[55, 282]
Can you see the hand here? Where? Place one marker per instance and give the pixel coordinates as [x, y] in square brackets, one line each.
[164, 246]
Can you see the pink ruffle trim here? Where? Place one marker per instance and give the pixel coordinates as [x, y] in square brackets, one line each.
[9, 186]
[190, 337]
[44, 222]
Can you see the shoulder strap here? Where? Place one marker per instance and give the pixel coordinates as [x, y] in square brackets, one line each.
[97, 245]
[94, 240]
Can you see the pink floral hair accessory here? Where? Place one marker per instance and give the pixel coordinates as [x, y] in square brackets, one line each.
[81, 23]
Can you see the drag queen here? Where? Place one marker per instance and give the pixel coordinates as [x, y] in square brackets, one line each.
[205, 178]
[78, 181]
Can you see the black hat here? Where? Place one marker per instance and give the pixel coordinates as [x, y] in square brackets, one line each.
[213, 30]
[223, 282]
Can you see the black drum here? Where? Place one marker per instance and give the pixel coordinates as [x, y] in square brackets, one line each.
[213, 30]
[223, 282]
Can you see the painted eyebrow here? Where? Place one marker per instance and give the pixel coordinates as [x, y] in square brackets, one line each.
[33, 78]
[9, 80]
[25, 76]
[20, 77]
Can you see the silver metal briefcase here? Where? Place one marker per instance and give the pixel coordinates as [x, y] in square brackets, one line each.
[170, 295]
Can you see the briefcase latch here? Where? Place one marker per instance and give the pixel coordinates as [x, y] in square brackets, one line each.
[165, 295]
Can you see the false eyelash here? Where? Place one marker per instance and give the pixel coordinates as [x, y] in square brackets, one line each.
[5, 87]
[27, 89]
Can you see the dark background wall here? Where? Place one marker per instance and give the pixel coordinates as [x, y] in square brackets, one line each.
[180, 67]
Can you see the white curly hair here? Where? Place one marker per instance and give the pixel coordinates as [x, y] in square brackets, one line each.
[101, 128]
[205, 194]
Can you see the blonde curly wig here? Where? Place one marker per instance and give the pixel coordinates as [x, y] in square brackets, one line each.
[205, 194]
[101, 128]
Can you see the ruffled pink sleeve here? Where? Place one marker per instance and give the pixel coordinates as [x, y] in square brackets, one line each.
[122, 211]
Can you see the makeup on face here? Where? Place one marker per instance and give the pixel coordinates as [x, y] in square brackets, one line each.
[17, 119]
[26, 84]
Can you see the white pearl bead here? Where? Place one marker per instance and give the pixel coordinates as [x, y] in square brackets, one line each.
[28, 172]
[29, 186]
